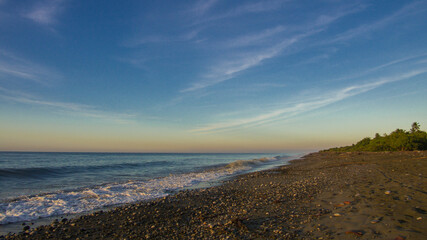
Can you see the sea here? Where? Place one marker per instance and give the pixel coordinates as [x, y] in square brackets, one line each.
[36, 185]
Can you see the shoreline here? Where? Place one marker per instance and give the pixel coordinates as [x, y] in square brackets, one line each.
[259, 164]
[87, 197]
[332, 195]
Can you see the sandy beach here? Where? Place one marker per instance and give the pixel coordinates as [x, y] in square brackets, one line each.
[321, 196]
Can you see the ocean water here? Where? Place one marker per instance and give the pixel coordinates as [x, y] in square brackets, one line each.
[39, 185]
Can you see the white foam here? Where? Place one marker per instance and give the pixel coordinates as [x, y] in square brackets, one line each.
[59, 203]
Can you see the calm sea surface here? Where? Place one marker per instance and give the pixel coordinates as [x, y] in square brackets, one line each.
[37, 185]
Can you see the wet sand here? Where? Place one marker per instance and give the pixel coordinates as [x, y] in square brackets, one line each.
[322, 196]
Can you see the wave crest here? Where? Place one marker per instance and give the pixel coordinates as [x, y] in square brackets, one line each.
[82, 200]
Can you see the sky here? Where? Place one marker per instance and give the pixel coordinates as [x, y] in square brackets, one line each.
[208, 76]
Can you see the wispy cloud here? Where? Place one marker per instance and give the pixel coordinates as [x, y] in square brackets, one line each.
[14, 66]
[253, 39]
[261, 6]
[342, 11]
[266, 85]
[237, 61]
[331, 97]
[80, 109]
[407, 10]
[202, 6]
[397, 61]
[137, 41]
[227, 69]
[314, 59]
[248, 8]
[383, 66]
[45, 12]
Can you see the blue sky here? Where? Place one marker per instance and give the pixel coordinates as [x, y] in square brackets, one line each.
[208, 76]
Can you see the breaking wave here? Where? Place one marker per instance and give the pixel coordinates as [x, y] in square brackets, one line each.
[87, 199]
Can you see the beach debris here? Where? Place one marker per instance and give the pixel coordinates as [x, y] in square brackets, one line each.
[419, 218]
[355, 232]
[347, 202]
[387, 192]
[376, 220]
[337, 215]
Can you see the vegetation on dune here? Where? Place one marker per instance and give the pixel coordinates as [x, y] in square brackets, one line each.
[398, 140]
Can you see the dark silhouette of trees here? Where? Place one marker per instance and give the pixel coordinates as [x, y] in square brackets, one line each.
[398, 140]
[415, 127]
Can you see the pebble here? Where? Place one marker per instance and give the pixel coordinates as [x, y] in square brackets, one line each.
[399, 238]
[376, 220]
[357, 233]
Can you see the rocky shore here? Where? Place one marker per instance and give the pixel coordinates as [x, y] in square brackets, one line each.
[322, 196]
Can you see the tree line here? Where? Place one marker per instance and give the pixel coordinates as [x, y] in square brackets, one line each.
[398, 140]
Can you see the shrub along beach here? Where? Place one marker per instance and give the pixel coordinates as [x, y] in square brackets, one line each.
[331, 195]
[399, 140]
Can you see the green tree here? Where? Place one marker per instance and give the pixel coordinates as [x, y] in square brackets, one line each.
[415, 127]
